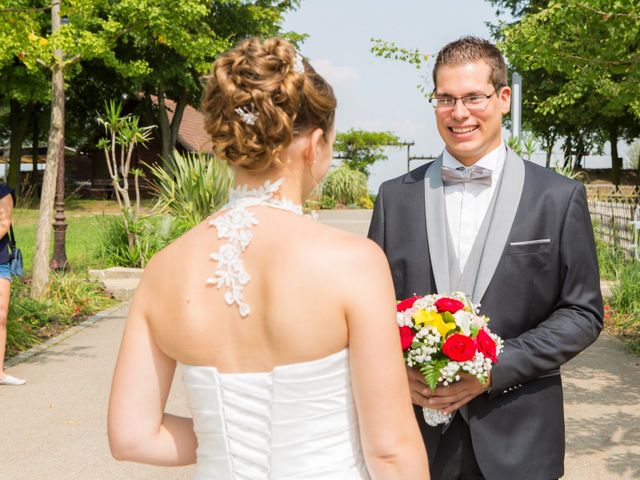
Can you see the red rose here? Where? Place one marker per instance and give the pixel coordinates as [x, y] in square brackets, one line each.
[406, 337]
[450, 305]
[486, 345]
[406, 304]
[459, 348]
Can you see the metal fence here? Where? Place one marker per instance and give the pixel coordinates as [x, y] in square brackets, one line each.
[616, 216]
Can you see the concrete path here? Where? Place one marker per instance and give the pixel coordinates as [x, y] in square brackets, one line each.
[54, 428]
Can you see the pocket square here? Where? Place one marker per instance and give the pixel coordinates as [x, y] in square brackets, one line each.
[531, 242]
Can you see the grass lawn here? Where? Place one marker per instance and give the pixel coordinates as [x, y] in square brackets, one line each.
[84, 219]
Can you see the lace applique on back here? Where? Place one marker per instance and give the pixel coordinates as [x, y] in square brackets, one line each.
[235, 226]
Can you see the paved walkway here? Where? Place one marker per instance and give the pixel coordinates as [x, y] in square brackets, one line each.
[54, 428]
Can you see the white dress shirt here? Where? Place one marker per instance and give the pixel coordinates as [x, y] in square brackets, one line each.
[467, 203]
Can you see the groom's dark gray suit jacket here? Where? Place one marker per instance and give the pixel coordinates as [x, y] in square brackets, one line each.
[534, 270]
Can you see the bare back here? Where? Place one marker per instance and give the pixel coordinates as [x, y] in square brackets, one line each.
[298, 270]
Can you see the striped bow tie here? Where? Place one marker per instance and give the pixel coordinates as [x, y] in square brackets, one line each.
[474, 174]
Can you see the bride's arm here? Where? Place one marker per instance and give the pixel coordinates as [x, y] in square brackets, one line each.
[139, 430]
[391, 439]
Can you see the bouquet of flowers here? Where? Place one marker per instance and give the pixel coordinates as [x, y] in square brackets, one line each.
[444, 337]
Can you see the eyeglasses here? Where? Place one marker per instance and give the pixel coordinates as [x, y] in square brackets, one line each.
[474, 102]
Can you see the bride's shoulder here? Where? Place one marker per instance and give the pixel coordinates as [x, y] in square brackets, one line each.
[350, 250]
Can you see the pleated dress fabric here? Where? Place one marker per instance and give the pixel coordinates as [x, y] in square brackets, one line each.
[297, 422]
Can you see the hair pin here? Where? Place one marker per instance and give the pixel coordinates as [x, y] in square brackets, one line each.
[298, 65]
[246, 115]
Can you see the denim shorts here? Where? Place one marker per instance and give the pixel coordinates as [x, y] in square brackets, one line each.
[5, 272]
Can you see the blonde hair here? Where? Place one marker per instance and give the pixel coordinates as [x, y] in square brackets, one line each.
[280, 92]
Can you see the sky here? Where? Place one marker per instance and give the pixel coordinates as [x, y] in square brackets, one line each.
[380, 94]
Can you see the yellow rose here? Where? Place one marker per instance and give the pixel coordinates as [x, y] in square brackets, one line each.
[43, 42]
[433, 319]
[32, 37]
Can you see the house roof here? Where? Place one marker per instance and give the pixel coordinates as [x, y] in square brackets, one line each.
[192, 134]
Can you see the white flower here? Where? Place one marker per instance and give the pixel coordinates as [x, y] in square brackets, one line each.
[463, 321]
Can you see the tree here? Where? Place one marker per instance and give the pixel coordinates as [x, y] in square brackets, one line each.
[360, 149]
[180, 41]
[592, 45]
[86, 35]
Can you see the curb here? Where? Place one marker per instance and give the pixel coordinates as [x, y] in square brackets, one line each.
[41, 347]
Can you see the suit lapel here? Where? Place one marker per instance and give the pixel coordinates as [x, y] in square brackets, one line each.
[504, 213]
[437, 226]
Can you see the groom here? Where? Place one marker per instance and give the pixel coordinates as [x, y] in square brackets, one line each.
[513, 236]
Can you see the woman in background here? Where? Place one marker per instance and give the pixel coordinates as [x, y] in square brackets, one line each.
[7, 201]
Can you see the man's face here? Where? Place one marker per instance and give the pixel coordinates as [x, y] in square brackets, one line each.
[470, 134]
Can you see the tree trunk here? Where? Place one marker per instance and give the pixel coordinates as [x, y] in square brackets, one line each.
[549, 142]
[568, 147]
[169, 130]
[19, 121]
[616, 161]
[579, 153]
[55, 150]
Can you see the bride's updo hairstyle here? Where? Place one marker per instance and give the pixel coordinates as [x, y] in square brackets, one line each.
[260, 95]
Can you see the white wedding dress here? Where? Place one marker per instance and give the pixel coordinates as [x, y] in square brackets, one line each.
[297, 422]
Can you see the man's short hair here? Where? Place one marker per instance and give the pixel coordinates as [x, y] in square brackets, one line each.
[471, 49]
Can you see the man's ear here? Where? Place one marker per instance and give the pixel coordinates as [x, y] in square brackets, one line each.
[505, 100]
[312, 149]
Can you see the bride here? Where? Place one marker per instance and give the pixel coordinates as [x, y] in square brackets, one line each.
[283, 329]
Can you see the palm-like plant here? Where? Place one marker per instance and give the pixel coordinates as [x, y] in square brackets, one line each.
[191, 186]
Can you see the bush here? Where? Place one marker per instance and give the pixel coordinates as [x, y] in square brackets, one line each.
[610, 259]
[345, 186]
[191, 186]
[70, 298]
[153, 234]
[625, 296]
[365, 202]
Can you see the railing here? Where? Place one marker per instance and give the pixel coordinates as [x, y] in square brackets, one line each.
[615, 213]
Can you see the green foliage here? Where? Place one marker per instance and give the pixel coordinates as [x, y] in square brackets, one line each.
[569, 172]
[70, 298]
[593, 44]
[153, 234]
[625, 295]
[327, 203]
[345, 186]
[361, 148]
[365, 202]
[391, 51]
[191, 186]
[431, 372]
[525, 145]
[610, 259]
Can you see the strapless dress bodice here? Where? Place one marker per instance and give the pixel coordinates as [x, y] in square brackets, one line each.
[297, 422]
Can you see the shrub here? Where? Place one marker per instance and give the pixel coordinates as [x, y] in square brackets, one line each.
[191, 186]
[345, 186]
[365, 202]
[625, 296]
[70, 298]
[610, 259]
[153, 234]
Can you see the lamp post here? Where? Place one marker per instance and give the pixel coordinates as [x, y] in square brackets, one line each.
[59, 258]
[516, 105]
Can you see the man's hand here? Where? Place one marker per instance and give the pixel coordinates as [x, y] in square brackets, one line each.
[452, 397]
[419, 390]
[449, 398]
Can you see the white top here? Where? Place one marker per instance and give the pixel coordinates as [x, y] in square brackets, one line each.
[467, 203]
[297, 422]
